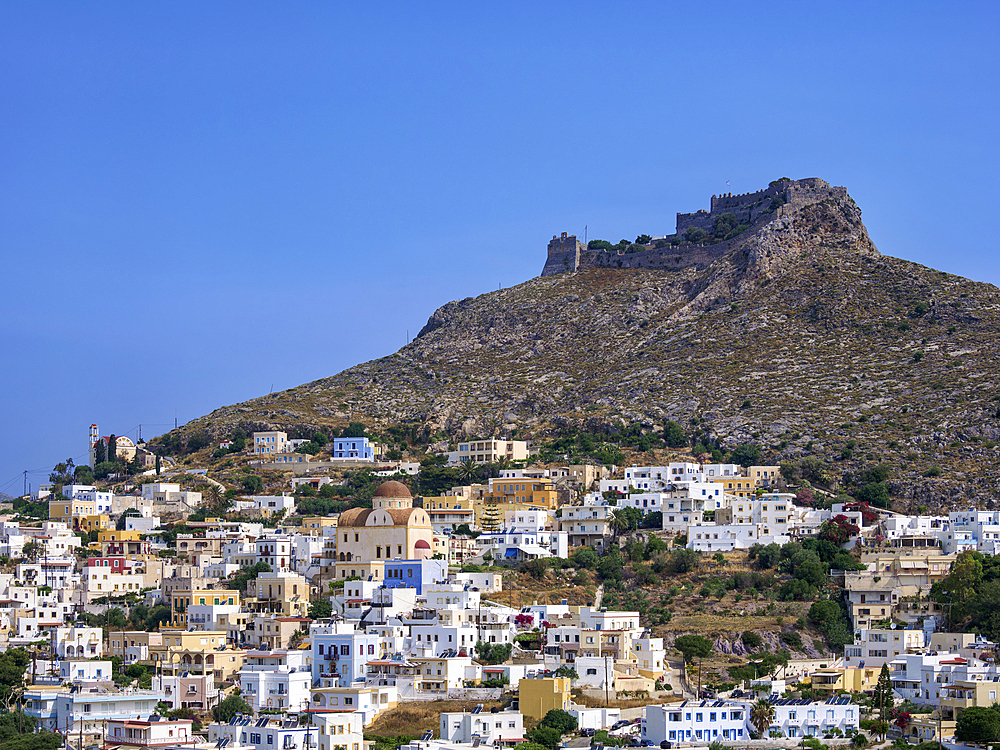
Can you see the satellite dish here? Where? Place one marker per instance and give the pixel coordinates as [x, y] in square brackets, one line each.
[892, 625]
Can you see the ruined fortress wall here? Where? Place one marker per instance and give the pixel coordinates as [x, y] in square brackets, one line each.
[669, 258]
[566, 253]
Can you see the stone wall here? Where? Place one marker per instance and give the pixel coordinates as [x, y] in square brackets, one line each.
[564, 254]
[780, 199]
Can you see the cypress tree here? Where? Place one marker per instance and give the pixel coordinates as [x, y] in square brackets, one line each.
[113, 448]
[882, 698]
[100, 454]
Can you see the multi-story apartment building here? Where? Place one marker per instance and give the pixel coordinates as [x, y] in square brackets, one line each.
[492, 451]
[181, 599]
[276, 680]
[875, 647]
[694, 721]
[339, 653]
[281, 593]
[270, 442]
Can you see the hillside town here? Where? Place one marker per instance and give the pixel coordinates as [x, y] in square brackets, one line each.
[140, 615]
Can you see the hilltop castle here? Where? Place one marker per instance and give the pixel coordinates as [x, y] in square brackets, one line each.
[675, 251]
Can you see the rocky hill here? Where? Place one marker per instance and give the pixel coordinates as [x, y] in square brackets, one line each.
[800, 336]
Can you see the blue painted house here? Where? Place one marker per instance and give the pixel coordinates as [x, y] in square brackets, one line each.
[414, 573]
[359, 449]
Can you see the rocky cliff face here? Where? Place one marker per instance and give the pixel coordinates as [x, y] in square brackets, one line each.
[802, 338]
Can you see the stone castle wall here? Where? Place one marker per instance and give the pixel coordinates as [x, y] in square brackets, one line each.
[566, 253]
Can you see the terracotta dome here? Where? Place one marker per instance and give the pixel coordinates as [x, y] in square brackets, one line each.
[392, 489]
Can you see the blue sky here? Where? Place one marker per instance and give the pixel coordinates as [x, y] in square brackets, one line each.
[202, 201]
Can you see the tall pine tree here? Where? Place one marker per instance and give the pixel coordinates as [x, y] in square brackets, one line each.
[113, 448]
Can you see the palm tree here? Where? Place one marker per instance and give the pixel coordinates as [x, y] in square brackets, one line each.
[618, 522]
[761, 715]
[469, 471]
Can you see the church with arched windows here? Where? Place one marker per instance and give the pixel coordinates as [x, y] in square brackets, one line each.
[392, 529]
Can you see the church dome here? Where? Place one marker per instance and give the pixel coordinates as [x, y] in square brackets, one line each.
[393, 489]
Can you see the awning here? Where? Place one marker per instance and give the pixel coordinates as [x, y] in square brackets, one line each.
[510, 553]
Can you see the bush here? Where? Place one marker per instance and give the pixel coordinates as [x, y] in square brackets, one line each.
[751, 640]
[793, 639]
[933, 471]
[561, 721]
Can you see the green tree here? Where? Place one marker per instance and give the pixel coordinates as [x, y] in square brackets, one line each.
[882, 698]
[320, 608]
[875, 494]
[354, 430]
[535, 568]
[585, 557]
[252, 484]
[561, 721]
[100, 452]
[978, 725]
[113, 448]
[674, 436]
[545, 736]
[694, 646]
[961, 587]
[746, 455]
[624, 520]
[231, 706]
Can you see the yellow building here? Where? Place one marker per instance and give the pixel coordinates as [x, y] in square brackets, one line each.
[844, 679]
[181, 600]
[279, 593]
[764, 476]
[129, 543]
[963, 694]
[313, 525]
[94, 523]
[513, 494]
[200, 652]
[926, 728]
[536, 697]
[741, 487]
[65, 511]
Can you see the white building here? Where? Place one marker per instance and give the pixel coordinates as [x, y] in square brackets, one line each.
[491, 728]
[700, 722]
[875, 647]
[805, 718]
[84, 670]
[587, 525]
[525, 545]
[343, 730]
[268, 505]
[276, 680]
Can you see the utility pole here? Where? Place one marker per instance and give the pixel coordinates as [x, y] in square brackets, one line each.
[607, 683]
